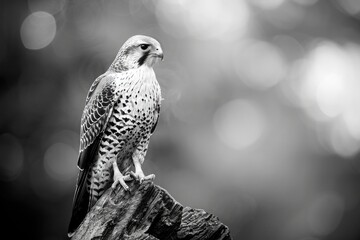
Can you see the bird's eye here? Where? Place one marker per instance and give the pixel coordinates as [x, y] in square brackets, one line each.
[144, 46]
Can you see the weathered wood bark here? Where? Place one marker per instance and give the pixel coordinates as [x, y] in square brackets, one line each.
[147, 212]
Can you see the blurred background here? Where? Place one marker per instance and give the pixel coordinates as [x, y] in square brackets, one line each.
[260, 123]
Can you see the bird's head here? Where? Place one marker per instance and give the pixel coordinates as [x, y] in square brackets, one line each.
[137, 51]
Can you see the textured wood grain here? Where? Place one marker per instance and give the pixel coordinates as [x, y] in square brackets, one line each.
[147, 212]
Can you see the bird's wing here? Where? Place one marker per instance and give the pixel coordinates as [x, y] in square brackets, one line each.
[98, 109]
[93, 87]
[100, 102]
[157, 114]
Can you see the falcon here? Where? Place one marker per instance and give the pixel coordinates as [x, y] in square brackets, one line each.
[121, 112]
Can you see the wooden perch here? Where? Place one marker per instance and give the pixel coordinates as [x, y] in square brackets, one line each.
[147, 212]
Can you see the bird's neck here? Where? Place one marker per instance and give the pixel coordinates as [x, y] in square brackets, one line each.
[146, 72]
[117, 65]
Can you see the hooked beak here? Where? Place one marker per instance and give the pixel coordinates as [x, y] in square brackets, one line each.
[159, 54]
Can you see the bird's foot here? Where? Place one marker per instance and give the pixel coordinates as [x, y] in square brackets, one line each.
[121, 179]
[139, 176]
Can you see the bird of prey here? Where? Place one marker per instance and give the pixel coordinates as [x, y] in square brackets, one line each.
[121, 112]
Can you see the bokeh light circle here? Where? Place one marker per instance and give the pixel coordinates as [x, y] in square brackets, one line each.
[38, 30]
[351, 7]
[221, 20]
[60, 162]
[325, 213]
[259, 64]
[329, 92]
[342, 142]
[267, 4]
[239, 124]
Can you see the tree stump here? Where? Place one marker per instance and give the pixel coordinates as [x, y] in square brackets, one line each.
[147, 212]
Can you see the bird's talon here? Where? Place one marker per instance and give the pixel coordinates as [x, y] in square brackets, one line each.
[121, 180]
[134, 176]
[140, 177]
[149, 177]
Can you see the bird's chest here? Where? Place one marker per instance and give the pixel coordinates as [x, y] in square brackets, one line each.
[135, 110]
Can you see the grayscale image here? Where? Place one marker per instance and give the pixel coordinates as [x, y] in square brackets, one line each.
[180, 119]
